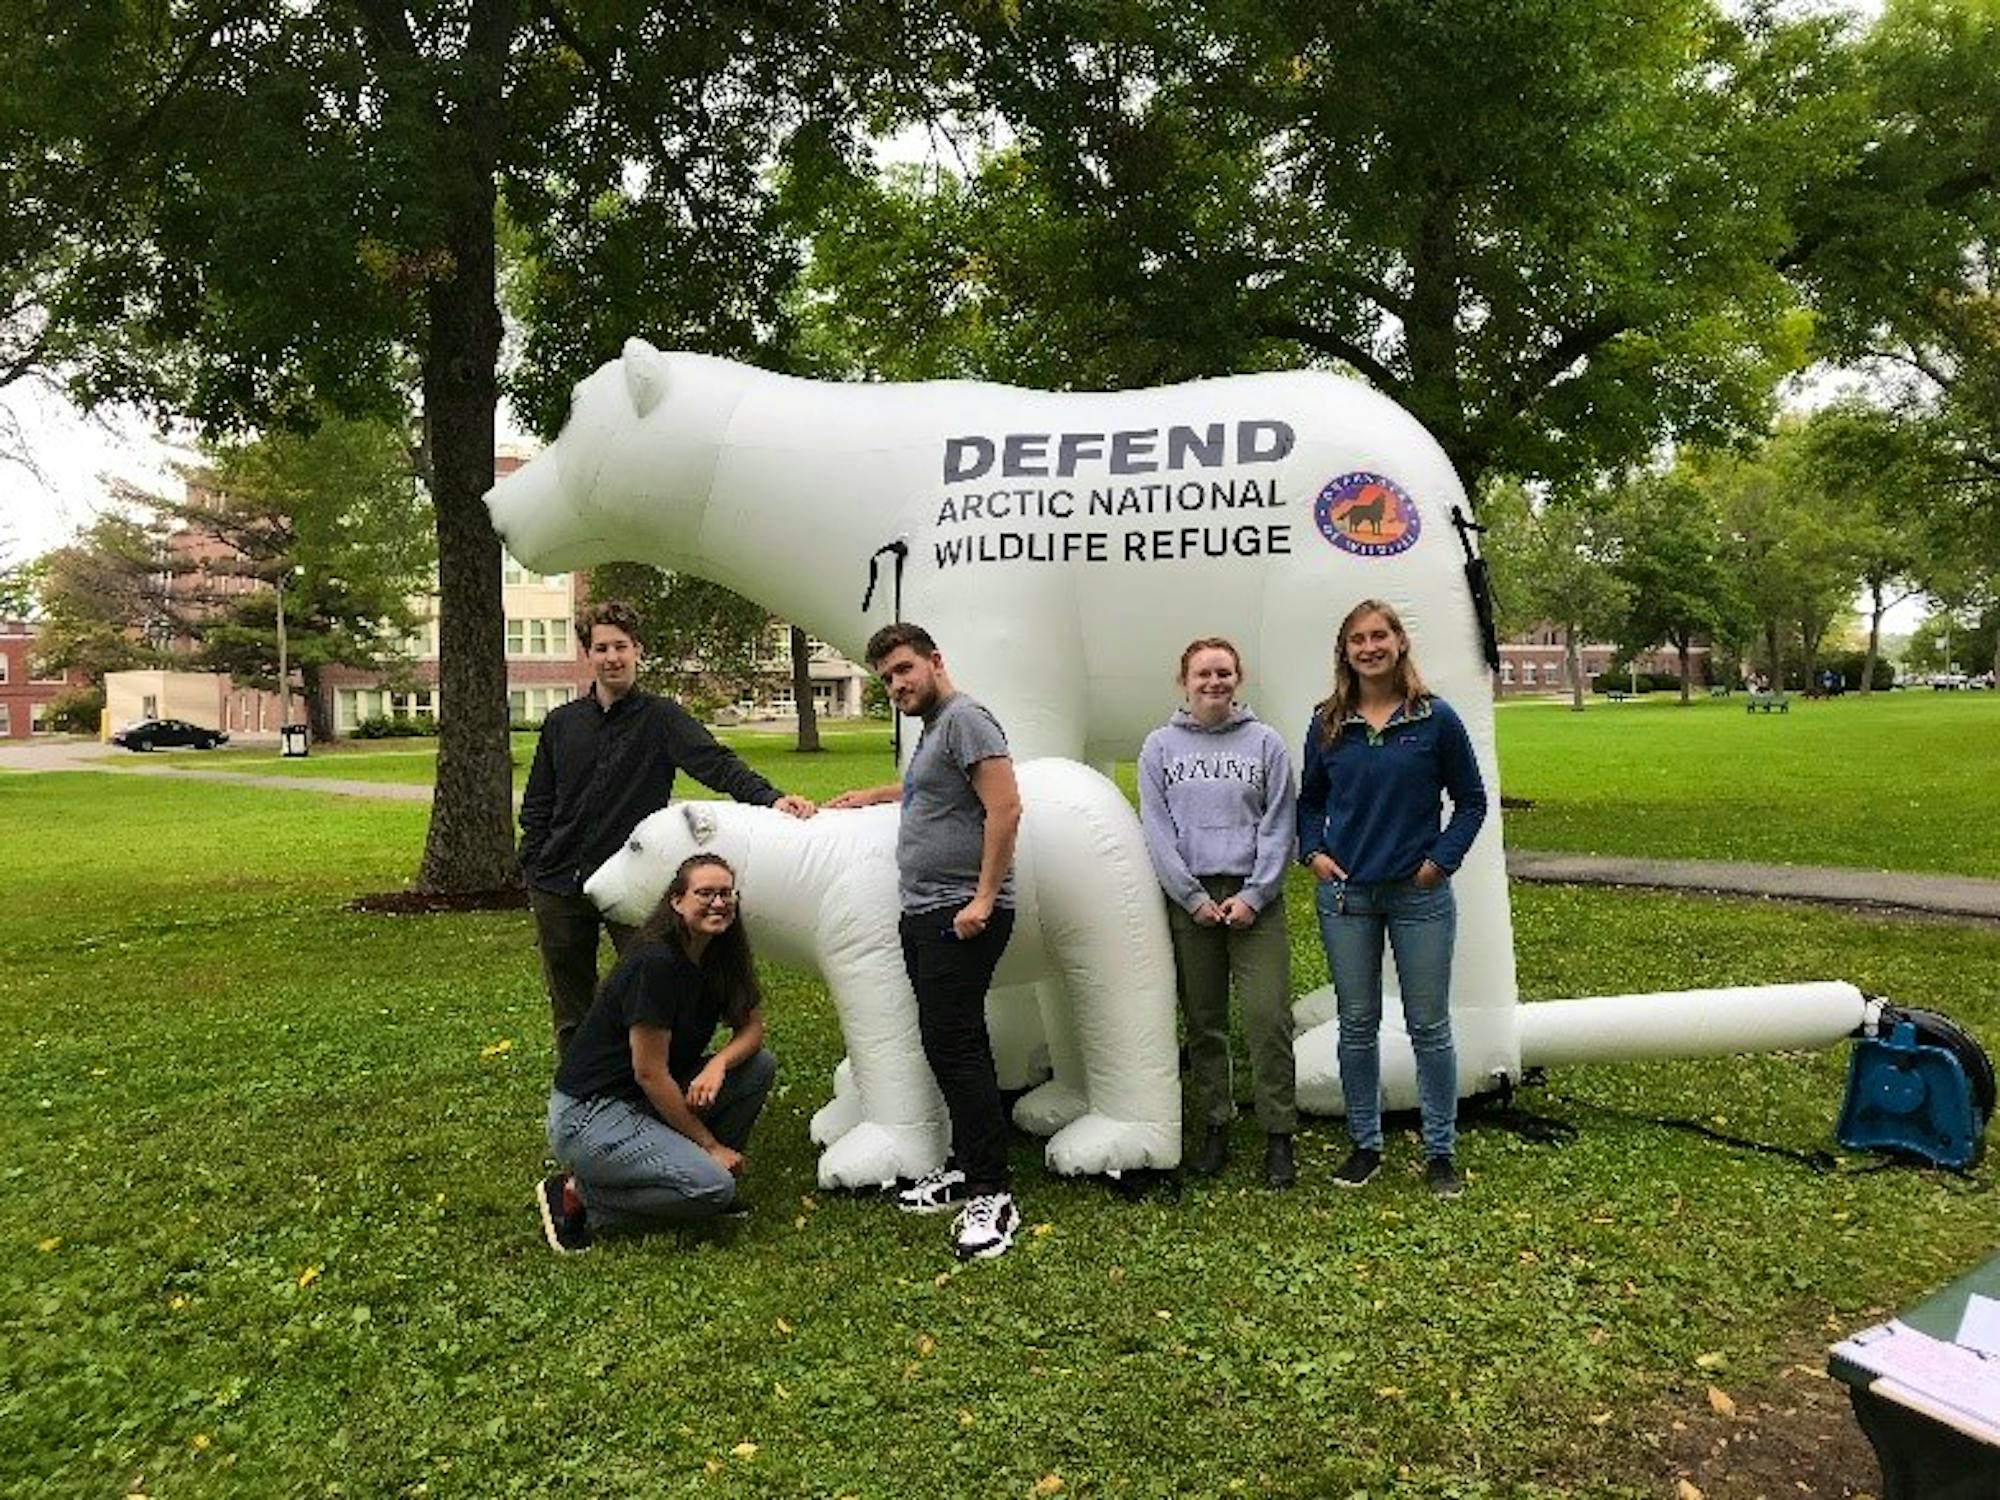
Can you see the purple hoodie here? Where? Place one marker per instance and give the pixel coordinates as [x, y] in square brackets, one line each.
[1217, 802]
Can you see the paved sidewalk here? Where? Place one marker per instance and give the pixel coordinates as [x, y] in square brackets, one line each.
[1942, 895]
[89, 755]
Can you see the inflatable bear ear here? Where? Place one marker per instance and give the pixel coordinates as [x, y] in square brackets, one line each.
[645, 376]
[700, 822]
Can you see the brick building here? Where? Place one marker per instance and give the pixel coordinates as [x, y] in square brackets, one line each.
[24, 696]
[1535, 661]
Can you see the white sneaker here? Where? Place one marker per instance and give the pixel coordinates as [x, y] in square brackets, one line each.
[985, 1227]
[933, 1193]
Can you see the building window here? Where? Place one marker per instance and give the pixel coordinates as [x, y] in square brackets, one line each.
[1506, 674]
[517, 637]
[36, 712]
[149, 706]
[1527, 674]
[6, 665]
[532, 705]
[6, 721]
[513, 574]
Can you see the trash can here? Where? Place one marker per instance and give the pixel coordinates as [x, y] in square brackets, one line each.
[294, 739]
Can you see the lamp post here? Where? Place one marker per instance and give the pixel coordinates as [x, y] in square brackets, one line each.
[284, 577]
[284, 666]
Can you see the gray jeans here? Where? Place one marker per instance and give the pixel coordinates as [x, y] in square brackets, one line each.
[635, 1172]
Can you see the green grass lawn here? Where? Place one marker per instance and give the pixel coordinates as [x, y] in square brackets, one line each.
[267, 1227]
[1894, 781]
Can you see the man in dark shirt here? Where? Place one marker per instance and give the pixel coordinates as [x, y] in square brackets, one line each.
[604, 762]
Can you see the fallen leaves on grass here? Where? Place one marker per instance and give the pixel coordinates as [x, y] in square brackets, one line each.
[1720, 1402]
[1048, 1484]
[308, 1276]
[497, 1049]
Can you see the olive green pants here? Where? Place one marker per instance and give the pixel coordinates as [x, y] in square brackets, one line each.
[1258, 958]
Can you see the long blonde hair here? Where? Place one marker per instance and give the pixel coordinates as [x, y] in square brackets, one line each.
[1332, 713]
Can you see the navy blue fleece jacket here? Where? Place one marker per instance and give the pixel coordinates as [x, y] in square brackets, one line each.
[1372, 800]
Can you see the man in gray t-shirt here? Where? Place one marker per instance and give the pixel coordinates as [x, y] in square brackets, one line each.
[954, 861]
[943, 835]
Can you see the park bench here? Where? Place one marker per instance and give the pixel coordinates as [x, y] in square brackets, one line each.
[1718, 690]
[1768, 703]
[1616, 695]
[1925, 1397]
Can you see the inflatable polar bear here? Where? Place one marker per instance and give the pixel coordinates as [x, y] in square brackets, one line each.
[821, 895]
[1062, 548]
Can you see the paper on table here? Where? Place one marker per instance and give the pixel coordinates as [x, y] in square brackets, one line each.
[1944, 1372]
[1980, 1327]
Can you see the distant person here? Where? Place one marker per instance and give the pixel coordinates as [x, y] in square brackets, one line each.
[1216, 799]
[1380, 755]
[649, 1125]
[954, 861]
[604, 762]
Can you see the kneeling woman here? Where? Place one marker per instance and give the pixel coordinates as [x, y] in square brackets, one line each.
[651, 1127]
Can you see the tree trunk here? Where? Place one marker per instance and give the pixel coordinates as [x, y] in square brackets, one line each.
[1774, 653]
[1681, 651]
[1876, 610]
[470, 844]
[319, 711]
[802, 692]
[1573, 654]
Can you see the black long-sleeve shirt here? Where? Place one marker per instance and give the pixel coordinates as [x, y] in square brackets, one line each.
[599, 772]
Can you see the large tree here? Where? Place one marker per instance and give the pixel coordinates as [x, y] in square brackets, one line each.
[1552, 564]
[317, 192]
[1555, 233]
[105, 599]
[336, 519]
[1669, 557]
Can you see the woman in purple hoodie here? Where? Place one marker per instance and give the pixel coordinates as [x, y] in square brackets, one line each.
[1216, 799]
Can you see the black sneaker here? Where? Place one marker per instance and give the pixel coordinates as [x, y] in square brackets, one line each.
[1442, 1177]
[1279, 1170]
[566, 1233]
[1359, 1169]
[985, 1227]
[1213, 1153]
[933, 1193]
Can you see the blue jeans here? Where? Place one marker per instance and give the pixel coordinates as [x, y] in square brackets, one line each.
[1419, 925]
[636, 1172]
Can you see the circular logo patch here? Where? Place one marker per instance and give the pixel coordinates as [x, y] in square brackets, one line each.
[1367, 514]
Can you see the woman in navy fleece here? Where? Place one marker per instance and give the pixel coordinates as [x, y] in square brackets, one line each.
[1380, 754]
[1215, 796]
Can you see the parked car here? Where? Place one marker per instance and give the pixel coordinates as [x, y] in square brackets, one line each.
[160, 734]
[1947, 682]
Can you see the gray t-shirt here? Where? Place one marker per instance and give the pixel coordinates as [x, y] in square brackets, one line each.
[944, 822]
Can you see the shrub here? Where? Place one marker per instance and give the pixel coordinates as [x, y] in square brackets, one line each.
[1620, 681]
[79, 712]
[395, 727]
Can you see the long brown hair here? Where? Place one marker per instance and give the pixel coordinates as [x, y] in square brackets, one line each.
[727, 955]
[1333, 712]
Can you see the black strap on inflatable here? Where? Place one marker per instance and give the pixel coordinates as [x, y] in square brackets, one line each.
[1481, 583]
[901, 549]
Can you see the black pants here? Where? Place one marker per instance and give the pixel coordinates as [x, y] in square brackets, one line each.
[566, 929]
[951, 976]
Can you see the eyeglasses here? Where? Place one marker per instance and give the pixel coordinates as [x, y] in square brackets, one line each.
[714, 898]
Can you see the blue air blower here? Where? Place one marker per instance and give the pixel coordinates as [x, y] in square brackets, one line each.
[1923, 1090]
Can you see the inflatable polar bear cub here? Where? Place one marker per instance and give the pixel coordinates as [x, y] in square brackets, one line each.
[1090, 931]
